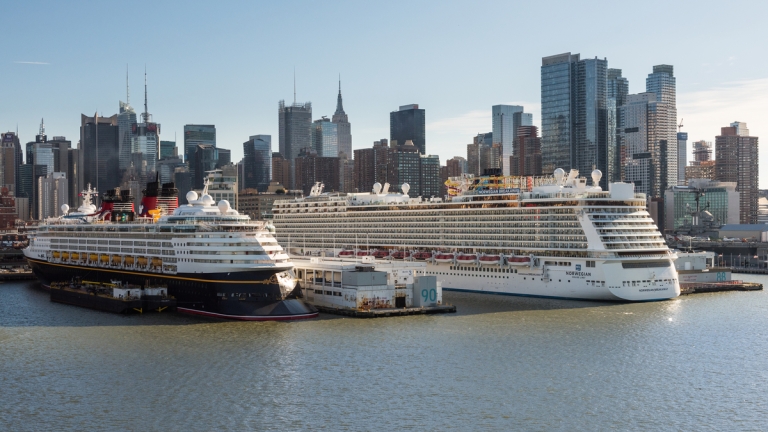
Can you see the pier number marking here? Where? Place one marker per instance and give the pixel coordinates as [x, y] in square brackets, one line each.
[721, 276]
[429, 295]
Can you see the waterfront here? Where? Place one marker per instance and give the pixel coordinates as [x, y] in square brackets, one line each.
[696, 362]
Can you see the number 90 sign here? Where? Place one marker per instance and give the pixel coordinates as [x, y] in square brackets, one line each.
[429, 295]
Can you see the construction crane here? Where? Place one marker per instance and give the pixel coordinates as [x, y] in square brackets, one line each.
[680, 126]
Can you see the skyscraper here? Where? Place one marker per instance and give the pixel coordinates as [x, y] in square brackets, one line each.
[12, 158]
[506, 119]
[662, 82]
[312, 168]
[295, 122]
[526, 160]
[737, 161]
[99, 152]
[126, 118]
[257, 162]
[205, 159]
[682, 156]
[408, 123]
[344, 129]
[146, 142]
[618, 89]
[404, 166]
[574, 115]
[281, 169]
[480, 154]
[195, 134]
[646, 145]
[325, 137]
[371, 166]
[168, 149]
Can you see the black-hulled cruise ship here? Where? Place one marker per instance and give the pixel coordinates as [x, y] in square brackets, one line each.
[213, 260]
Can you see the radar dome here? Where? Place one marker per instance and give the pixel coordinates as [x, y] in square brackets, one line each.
[64, 208]
[376, 188]
[224, 206]
[405, 187]
[559, 174]
[207, 200]
[191, 196]
[596, 176]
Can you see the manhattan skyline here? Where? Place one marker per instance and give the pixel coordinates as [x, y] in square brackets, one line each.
[233, 74]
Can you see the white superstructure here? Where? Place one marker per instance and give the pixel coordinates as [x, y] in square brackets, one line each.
[551, 236]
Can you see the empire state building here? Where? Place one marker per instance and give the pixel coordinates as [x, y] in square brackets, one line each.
[343, 127]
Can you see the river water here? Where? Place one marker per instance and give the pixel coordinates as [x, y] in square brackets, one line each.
[699, 362]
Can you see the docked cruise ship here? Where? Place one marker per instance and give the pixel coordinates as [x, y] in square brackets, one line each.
[551, 236]
[213, 260]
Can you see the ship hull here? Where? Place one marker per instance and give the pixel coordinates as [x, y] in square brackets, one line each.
[607, 281]
[245, 295]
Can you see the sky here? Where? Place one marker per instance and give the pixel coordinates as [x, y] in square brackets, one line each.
[229, 63]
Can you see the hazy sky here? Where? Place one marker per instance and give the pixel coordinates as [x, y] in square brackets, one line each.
[229, 63]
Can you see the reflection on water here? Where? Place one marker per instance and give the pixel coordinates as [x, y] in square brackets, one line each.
[499, 363]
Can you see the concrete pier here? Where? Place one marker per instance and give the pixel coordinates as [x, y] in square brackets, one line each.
[697, 288]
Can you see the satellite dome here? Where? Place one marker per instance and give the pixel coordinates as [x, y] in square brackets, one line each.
[191, 196]
[559, 174]
[207, 200]
[596, 176]
[64, 208]
[224, 206]
[405, 187]
[376, 188]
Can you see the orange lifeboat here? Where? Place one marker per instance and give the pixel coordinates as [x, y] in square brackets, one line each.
[65, 256]
[56, 254]
[75, 256]
[157, 262]
[116, 259]
[93, 257]
[142, 261]
[129, 260]
[104, 258]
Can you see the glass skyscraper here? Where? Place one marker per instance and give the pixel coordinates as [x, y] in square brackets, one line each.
[257, 161]
[408, 123]
[506, 119]
[325, 138]
[574, 116]
[295, 123]
[195, 135]
[126, 118]
[618, 89]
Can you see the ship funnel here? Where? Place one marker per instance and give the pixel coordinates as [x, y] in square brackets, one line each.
[596, 176]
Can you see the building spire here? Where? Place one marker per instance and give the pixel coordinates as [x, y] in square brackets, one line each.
[294, 85]
[127, 88]
[145, 115]
[339, 106]
[42, 127]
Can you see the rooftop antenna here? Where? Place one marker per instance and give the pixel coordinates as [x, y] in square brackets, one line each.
[42, 127]
[294, 85]
[145, 116]
[127, 88]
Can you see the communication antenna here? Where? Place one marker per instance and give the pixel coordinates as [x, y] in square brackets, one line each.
[127, 88]
[294, 85]
[145, 116]
[680, 126]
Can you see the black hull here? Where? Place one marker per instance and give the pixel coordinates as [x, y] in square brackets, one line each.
[90, 301]
[238, 295]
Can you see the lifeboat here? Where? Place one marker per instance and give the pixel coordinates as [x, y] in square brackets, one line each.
[75, 256]
[142, 261]
[56, 254]
[93, 257]
[444, 257]
[116, 259]
[129, 260]
[65, 256]
[346, 253]
[399, 255]
[518, 260]
[104, 258]
[490, 259]
[157, 262]
[362, 253]
[421, 256]
[380, 254]
[466, 259]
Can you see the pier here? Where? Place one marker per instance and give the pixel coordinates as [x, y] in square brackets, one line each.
[703, 287]
[16, 276]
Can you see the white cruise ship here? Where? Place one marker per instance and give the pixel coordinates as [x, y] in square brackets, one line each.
[551, 236]
[214, 261]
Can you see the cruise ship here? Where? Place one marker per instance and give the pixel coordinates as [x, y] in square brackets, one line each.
[554, 236]
[214, 261]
